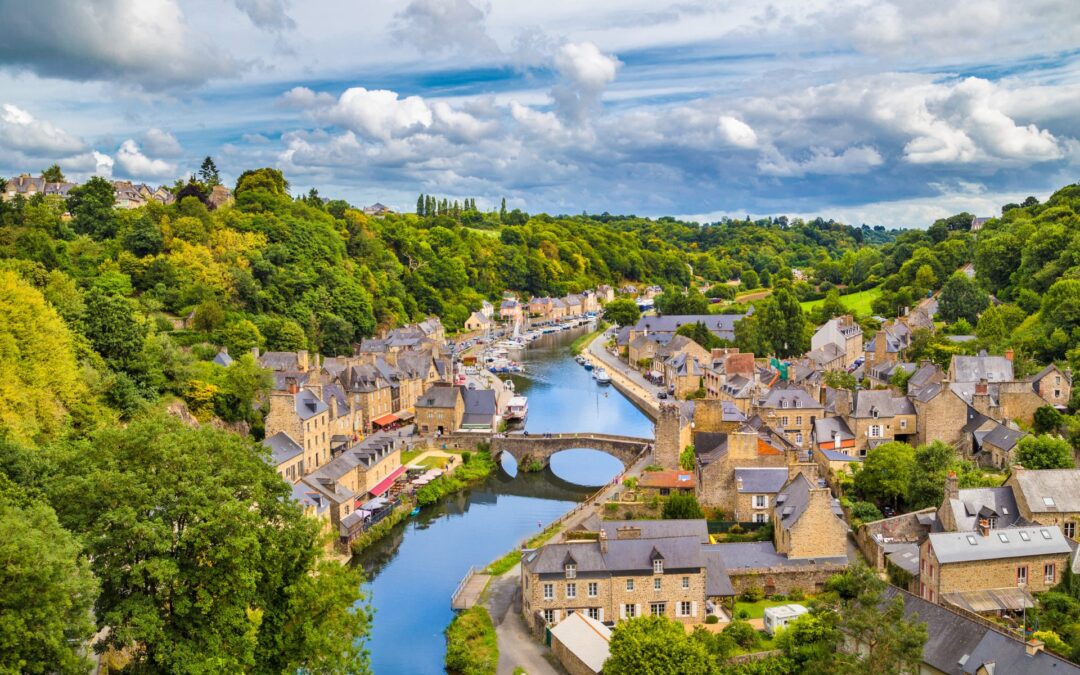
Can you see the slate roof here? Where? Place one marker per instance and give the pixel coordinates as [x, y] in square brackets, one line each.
[1014, 542]
[438, 396]
[1003, 437]
[308, 404]
[622, 338]
[981, 367]
[479, 401]
[826, 429]
[623, 555]
[957, 645]
[279, 361]
[710, 446]
[836, 456]
[656, 529]
[784, 398]
[925, 375]
[721, 325]
[282, 448]
[751, 555]
[729, 412]
[760, 480]
[880, 403]
[717, 582]
[1061, 486]
[223, 359]
[794, 500]
[970, 502]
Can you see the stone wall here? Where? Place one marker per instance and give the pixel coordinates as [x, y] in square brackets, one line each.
[785, 578]
[941, 419]
[668, 426]
[904, 528]
[540, 448]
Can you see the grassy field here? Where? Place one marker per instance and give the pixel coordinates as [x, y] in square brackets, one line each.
[757, 609]
[858, 303]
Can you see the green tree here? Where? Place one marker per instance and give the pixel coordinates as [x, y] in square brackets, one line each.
[205, 563]
[420, 205]
[749, 279]
[115, 329]
[144, 238]
[240, 336]
[699, 333]
[681, 506]
[932, 465]
[961, 298]
[208, 172]
[53, 174]
[1048, 420]
[91, 208]
[688, 458]
[840, 379]
[622, 312]
[1044, 452]
[209, 316]
[831, 307]
[886, 472]
[656, 645]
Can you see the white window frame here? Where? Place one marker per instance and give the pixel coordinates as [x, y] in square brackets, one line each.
[761, 501]
[571, 570]
[657, 608]
[1070, 529]
[1049, 573]
[630, 610]
[658, 566]
[571, 590]
[760, 518]
[1021, 575]
[874, 431]
[592, 589]
[686, 582]
[549, 616]
[549, 591]
[656, 584]
[686, 608]
[629, 585]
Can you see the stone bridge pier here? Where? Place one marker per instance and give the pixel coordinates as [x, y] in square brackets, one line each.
[536, 450]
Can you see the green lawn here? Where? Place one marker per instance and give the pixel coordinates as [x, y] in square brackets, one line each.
[858, 303]
[757, 609]
[409, 455]
[434, 462]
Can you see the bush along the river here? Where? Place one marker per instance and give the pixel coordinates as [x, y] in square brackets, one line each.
[471, 644]
[474, 468]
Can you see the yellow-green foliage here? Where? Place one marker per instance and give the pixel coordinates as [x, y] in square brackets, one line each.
[41, 380]
[471, 645]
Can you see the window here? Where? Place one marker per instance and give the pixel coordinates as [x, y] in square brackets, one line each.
[1001, 535]
[571, 571]
[761, 501]
[629, 584]
[1048, 501]
[798, 420]
[685, 608]
[658, 566]
[571, 590]
[686, 582]
[759, 518]
[630, 611]
[1057, 393]
[1025, 536]
[1045, 534]
[594, 613]
[592, 589]
[656, 584]
[549, 615]
[1048, 573]
[1021, 575]
[903, 424]
[549, 591]
[1070, 530]
[657, 608]
[784, 421]
[798, 438]
[875, 431]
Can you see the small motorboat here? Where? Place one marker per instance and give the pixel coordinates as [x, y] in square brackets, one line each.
[588, 366]
[602, 376]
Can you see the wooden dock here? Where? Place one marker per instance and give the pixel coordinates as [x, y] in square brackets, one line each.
[468, 591]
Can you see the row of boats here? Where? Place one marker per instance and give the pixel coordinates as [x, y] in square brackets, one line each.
[599, 374]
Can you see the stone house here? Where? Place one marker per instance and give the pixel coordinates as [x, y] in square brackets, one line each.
[791, 411]
[487, 309]
[846, 337]
[370, 391]
[964, 510]
[440, 409]
[667, 482]
[1048, 496]
[720, 454]
[991, 571]
[756, 489]
[989, 442]
[540, 308]
[614, 579]
[807, 522]
[510, 310]
[940, 414]
[558, 310]
[478, 322]
[887, 345]
[574, 305]
[833, 446]
[286, 456]
[605, 293]
[305, 417]
[641, 349]
[879, 416]
[1053, 385]
[663, 328]
[682, 374]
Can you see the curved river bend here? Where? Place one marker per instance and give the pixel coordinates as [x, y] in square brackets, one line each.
[414, 570]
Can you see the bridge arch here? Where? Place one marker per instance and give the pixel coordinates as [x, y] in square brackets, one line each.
[538, 448]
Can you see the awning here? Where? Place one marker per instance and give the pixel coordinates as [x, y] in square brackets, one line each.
[406, 415]
[385, 420]
[990, 600]
[385, 483]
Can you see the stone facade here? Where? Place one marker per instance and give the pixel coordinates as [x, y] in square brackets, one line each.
[817, 533]
[936, 579]
[783, 579]
[668, 432]
[312, 433]
[940, 417]
[716, 479]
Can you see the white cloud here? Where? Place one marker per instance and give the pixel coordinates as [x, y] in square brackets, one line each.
[434, 26]
[19, 130]
[135, 164]
[91, 163]
[586, 72]
[143, 42]
[302, 97]
[856, 159]
[268, 15]
[161, 143]
[378, 113]
[737, 132]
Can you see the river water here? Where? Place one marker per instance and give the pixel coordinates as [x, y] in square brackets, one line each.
[414, 570]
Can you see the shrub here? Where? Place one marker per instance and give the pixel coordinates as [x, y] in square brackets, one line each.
[628, 515]
[680, 506]
[752, 594]
[779, 597]
[712, 618]
[796, 595]
[743, 614]
[471, 645]
[742, 633]
[736, 529]
[611, 507]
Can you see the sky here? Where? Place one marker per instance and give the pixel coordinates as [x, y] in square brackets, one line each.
[866, 111]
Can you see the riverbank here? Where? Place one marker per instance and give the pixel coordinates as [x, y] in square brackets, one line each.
[629, 383]
[583, 341]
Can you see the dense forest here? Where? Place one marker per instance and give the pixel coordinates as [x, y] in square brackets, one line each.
[108, 316]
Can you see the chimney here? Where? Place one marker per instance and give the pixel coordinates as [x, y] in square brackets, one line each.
[1009, 353]
[1018, 470]
[255, 353]
[603, 541]
[302, 360]
[836, 439]
[291, 386]
[1033, 646]
[952, 486]
[981, 387]
[984, 527]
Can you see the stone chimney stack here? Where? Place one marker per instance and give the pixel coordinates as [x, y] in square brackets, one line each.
[952, 486]
[666, 446]
[302, 360]
[982, 387]
[1033, 646]
[603, 541]
[984, 527]
[1010, 354]
[291, 386]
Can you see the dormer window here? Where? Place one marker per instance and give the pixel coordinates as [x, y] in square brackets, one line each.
[658, 566]
[571, 570]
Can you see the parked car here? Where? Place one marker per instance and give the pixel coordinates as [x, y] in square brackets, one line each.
[888, 511]
[472, 385]
[661, 394]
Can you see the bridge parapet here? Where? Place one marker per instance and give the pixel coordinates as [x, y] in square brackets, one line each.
[531, 449]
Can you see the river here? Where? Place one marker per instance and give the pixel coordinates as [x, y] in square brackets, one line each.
[414, 570]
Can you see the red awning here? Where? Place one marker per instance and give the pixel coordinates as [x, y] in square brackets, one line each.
[388, 418]
[385, 483]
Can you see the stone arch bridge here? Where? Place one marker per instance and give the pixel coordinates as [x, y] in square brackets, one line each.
[540, 447]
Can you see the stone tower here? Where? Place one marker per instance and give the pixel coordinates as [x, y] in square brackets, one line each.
[666, 448]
